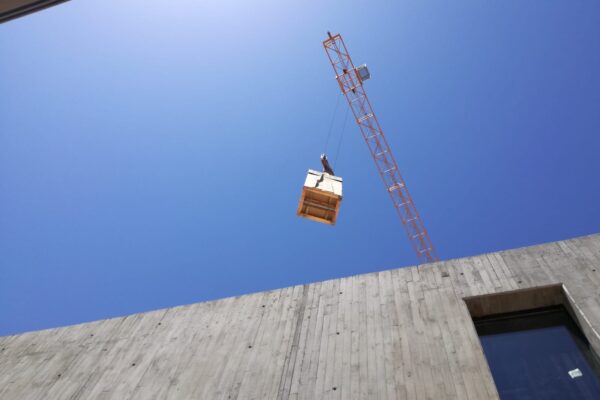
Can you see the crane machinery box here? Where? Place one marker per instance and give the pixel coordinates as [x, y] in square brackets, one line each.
[321, 197]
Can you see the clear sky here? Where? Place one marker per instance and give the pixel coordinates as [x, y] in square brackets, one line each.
[152, 153]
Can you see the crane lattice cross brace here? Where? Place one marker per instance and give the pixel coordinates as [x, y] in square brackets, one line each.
[351, 83]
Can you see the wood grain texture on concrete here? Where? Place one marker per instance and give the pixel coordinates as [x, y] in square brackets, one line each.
[399, 334]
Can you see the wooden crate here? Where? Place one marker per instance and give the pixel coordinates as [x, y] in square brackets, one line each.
[321, 197]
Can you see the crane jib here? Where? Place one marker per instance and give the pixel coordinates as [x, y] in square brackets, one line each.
[350, 80]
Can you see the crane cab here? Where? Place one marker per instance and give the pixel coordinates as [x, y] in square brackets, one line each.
[321, 197]
[363, 73]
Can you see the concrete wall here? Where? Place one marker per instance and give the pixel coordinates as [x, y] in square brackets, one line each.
[399, 334]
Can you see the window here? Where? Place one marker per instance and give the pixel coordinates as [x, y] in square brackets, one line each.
[539, 354]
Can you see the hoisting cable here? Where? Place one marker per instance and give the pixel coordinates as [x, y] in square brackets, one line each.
[337, 153]
[337, 103]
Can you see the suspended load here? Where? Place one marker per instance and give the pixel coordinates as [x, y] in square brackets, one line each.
[321, 195]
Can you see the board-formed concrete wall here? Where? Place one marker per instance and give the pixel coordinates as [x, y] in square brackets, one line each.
[399, 334]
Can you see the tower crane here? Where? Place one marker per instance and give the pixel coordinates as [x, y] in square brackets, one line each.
[350, 80]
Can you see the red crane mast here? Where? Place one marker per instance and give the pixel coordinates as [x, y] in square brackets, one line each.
[351, 83]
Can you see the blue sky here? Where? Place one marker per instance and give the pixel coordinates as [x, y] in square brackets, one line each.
[152, 154]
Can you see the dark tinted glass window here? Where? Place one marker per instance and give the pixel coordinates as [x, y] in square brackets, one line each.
[540, 354]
